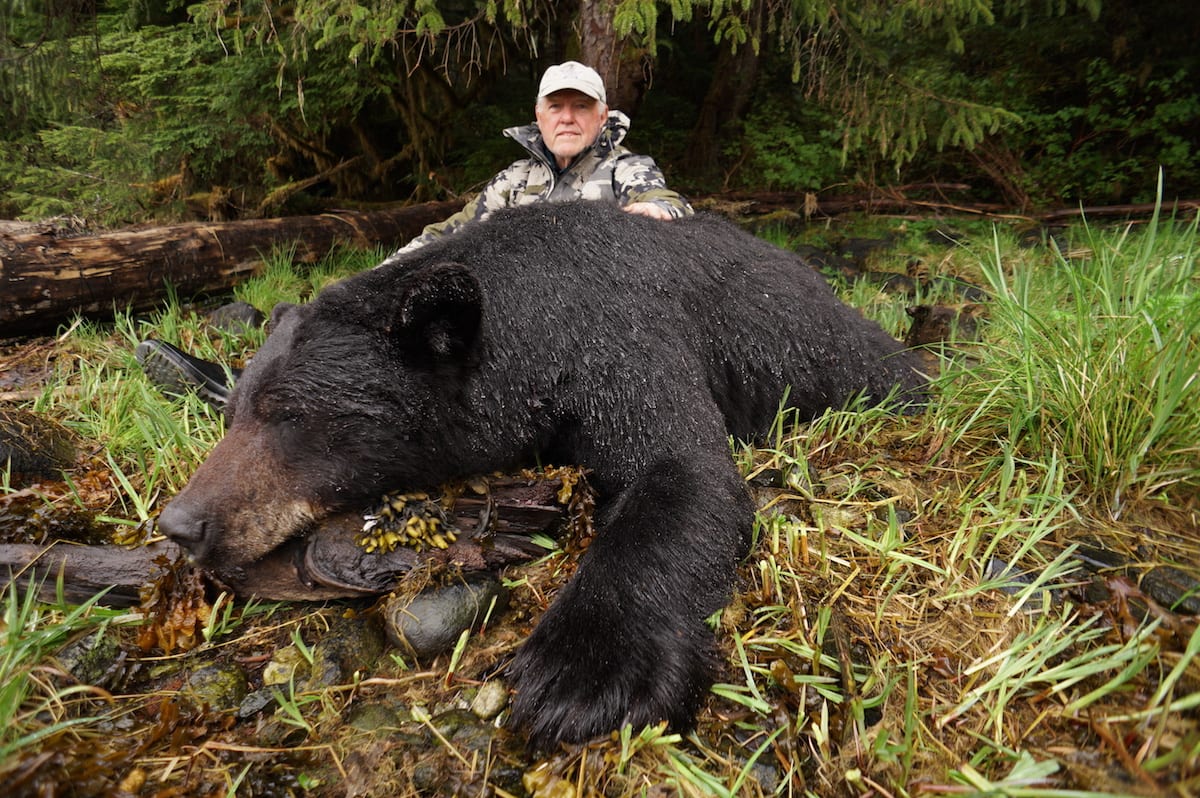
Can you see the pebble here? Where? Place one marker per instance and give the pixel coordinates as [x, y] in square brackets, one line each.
[220, 687]
[94, 659]
[283, 666]
[491, 699]
[255, 702]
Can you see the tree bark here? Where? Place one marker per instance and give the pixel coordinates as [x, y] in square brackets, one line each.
[46, 279]
[621, 64]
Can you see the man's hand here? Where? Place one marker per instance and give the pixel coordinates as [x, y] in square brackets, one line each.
[653, 210]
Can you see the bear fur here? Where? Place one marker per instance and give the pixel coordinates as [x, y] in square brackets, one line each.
[572, 333]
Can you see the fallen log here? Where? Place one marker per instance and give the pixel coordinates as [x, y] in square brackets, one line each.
[918, 198]
[495, 530]
[86, 570]
[45, 279]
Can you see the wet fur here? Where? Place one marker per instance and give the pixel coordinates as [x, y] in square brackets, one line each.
[574, 333]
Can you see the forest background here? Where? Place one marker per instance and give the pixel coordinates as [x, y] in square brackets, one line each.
[118, 112]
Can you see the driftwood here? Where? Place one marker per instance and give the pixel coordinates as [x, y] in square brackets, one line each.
[45, 279]
[494, 529]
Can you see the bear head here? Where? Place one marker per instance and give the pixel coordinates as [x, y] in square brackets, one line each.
[305, 418]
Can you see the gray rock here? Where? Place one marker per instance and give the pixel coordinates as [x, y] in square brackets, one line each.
[33, 446]
[236, 317]
[491, 699]
[94, 659]
[432, 621]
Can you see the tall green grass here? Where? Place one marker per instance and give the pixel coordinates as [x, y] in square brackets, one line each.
[35, 696]
[1095, 359]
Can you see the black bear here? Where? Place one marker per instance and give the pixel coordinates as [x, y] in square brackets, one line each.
[573, 333]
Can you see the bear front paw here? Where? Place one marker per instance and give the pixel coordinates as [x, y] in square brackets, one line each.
[578, 681]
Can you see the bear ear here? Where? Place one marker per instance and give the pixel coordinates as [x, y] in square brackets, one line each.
[438, 316]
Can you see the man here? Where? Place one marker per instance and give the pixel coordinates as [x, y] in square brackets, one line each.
[575, 152]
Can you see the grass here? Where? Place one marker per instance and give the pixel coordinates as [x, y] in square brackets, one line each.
[35, 696]
[914, 618]
[1096, 360]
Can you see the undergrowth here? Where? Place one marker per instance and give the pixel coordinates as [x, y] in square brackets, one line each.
[915, 617]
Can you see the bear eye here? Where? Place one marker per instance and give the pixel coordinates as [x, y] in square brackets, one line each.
[274, 409]
[290, 420]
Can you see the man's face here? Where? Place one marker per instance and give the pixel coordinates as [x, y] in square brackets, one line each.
[569, 121]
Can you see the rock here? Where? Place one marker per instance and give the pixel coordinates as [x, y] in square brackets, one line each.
[1174, 588]
[236, 317]
[934, 325]
[491, 699]
[542, 782]
[890, 282]
[285, 665]
[255, 702]
[834, 266]
[860, 250]
[95, 659]
[221, 686]
[350, 644]
[376, 718]
[432, 621]
[33, 446]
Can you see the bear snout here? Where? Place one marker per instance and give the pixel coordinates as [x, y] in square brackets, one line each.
[183, 525]
[241, 504]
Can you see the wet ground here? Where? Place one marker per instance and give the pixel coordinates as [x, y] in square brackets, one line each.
[190, 692]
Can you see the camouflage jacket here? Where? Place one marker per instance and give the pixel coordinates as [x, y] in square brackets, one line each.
[606, 171]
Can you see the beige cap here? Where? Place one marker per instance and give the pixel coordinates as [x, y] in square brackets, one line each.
[572, 75]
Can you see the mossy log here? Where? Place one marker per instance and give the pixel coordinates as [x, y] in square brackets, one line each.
[47, 278]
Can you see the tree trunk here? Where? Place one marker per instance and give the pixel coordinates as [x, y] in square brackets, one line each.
[728, 94]
[619, 62]
[45, 279]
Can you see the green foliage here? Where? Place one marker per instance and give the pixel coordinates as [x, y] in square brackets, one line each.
[44, 49]
[256, 109]
[369, 31]
[160, 136]
[167, 77]
[787, 145]
[72, 170]
[887, 71]
[1095, 360]
[1112, 140]
[33, 706]
[640, 18]
[158, 117]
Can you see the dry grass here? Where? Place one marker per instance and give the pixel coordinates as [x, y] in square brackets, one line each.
[916, 618]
